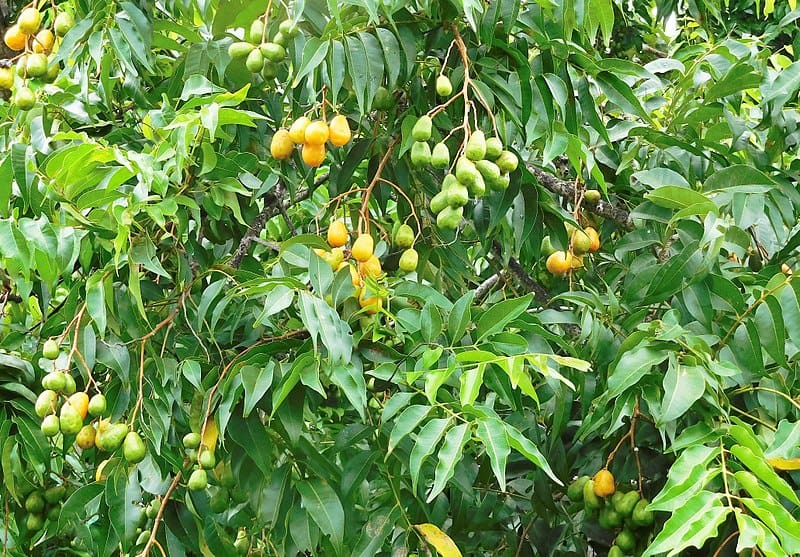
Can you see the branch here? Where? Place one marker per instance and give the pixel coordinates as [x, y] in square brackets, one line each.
[484, 287]
[522, 276]
[567, 189]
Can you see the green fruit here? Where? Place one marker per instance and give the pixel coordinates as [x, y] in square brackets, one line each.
[219, 501]
[64, 22]
[52, 73]
[575, 489]
[590, 500]
[256, 33]
[69, 385]
[133, 448]
[404, 237]
[226, 478]
[443, 86]
[420, 153]
[615, 552]
[110, 438]
[625, 505]
[580, 242]
[466, 172]
[242, 546]
[36, 65]
[449, 218]
[143, 537]
[239, 495]
[507, 161]
[191, 440]
[489, 170]
[51, 425]
[53, 513]
[70, 419]
[755, 262]
[422, 129]
[409, 260]
[448, 181]
[240, 50]
[198, 480]
[476, 146]
[591, 196]
[34, 522]
[384, 100]
[34, 502]
[288, 28]
[626, 541]
[270, 70]
[152, 509]
[86, 437]
[501, 184]
[493, 148]
[97, 405]
[478, 188]
[641, 515]
[439, 202]
[22, 66]
[280, 39]
[457, 195]
[54, 494]
[440, 157]
[51, 350]
[46, 403]
[54, 381]
[273, 52]
[547, 249]
[255, 61]
[609, 518]
[207, 459]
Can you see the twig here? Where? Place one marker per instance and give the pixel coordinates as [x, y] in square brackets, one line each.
[524, 536]
[484, 287]
[522, 276]
[152, 540]
[363, 224]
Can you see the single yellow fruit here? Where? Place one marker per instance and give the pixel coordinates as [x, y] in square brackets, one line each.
[297, 131]
[576, 262]
[559, 262]
[370, 304]
[281, 146]
[43, 41]
[363, 247]
[313, 155]
[317, 133]
[80, 402]
[408, 260]
[14, 38]
[86, 436]
[337, 234]
[339, 131]
[371, 267]
[604, 483]
[594, 238]
[29, 21]
[7, 82]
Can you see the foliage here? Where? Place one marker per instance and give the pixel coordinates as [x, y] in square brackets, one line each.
[183, 272]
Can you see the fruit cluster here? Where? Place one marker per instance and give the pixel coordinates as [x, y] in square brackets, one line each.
[624, 513]
[37, 43]
[43, 503]
[312, 136]
[581, 241]
[483, 163]
[264, 56]
[63, 410]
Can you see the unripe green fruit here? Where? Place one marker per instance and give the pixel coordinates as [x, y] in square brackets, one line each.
[239, 495]
[384, 100]
[609, 518]
[240, 50]
[256, 33]
[226, 478]
[641, 515]
[51, 350]
[280, 39]
[591, 196]
[404, 238]
[152, 509]
[50, 426]
[54, 381]
[408, 260]
[54, 494]
[219, 501]
[420, 153]
[439, 202]
[449, 180]
[493, 148]
[34, 522]
[466, 173]
[270, 70]
[625, 505]
[46, 403]
[489, 170]
[575, 489]
[22, 66]
[501, 183]
[626, 541]
[476, 146]
[53, 513]
[255, 61]
[755, 262]
[191, 440]
[422, 129]
[133, 448]
[288, 28]
[547, 249]
[615, 552]
[36, 65]
[69, 384]
[143, 537]
[198, 480]
[457, 195]
[53, 72]
[273, 52]
[70, 419]
[242, 546]
[25, 99]
[207, 459]
[110, 438]
[478, 187]
[449, 218]
[64, 22]
[97, 405]
[507, 161]
[590, 500]
[440, 157]
[443, 86]
[34, 503]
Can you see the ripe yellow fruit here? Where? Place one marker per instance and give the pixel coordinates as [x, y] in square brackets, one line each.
[7, 82]
[604, 483]
[371, 267]
[594, 238]
[14, 38]
[281, 146]
[339, 131]
[297, 131]
[370, 304]
[313, 155]
[80, 402]
[43, 41]
[363, 247]
[337, 234]
[29, 21]
[559, 262]
[317, 133]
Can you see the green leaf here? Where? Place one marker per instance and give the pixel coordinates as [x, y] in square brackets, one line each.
[783, 524]
[349, 377]
[691, 525]
[498, 316]
[405, 424]
[493, 434]
[324, 323]
[325, 508]
[674, 197]
[631, 367]
[683, 385]
[426, 441]
[740, 177]
[96, 301]
[687, 476]
[256, 381]
[314, 53]
[460, 316]
[759, 466]
[526, 448]
[449, 455]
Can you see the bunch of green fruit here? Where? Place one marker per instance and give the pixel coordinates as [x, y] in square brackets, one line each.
[484, 163]
[262, 54]
[403, 238]
[626, 514]
[42, 504]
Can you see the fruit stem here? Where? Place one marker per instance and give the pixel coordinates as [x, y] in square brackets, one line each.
[363, 223]
[266, 21]
[410, 204]
[157, 520]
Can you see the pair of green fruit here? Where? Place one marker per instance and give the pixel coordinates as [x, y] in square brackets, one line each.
[403, 238]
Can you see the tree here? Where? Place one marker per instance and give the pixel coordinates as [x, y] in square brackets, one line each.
[394, 278]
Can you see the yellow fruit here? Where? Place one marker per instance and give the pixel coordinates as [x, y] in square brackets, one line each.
[604, 483]
[408, 260]
[355, 278]
[14, 38]
[80, 402]
[559, 262]
[371, 267]
[594, 238]
[363, 247]
[339, 131]
[337, 234]
[43, 41]
[86, 436]
[297, 131]
[317, 133]
[785, 269]
[281, 146]
[370, 304]
[313, 155]
[7, 82]
[576, 262]
[29, 21]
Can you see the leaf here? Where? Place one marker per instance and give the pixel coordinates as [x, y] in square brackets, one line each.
[774, 515]
[784, 86]
[314, 53]
[256, 381]
[471, 381]
[500, 315]
[440, 541]
[631, 367]
[493, 434]
[696, 521]
[322, 503]
[739, 177]
[323, 322]
[758, 465]
[675, 197]
[405, 424]
[687, 476]
[349, 377]
[683, 385]
[96, 302]
[449, 455]
[526, 448]
[460, 317]
[375, 531]
[426, 441]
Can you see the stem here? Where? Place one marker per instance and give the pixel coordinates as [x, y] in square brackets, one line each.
[753, 306]
[363, 224]
[152, 540]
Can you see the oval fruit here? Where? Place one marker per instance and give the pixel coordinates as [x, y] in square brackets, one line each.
[476, 146]
[313, 155]
[69, 385]
[466, 172]
[6, 78]
[34, 522]
[604, 483]
[219, 501]
[86, 437]
[371, 267]
[422, 128]
[54, 494]
[408, 260]
[43, 41]
[594, 239]
[507, 161]
[80, 402]
[337, 234]
[316, 133]
[110, 436]
[198, 480]
[54, 381]
[626, 541]
[547, 246]
[478, 187]
[440, 156]
[50, 426]
[133, 448]
[339, 131]
[420, 153]
[25, 99]
[457, 195]
[384, 100]
[489, 170]
[206, 459]
[591, 196]
[288, 28]
[575, 489]
[591, 502]
[152, 509]
[370, 304]
[240, 49]
[97, 405]
[270, 70]
[29, 20]
[580, 241]
[281, 146]
[34, 502]
[70, 419]
[559, 262]
[254, 61]
[297, 131]
[46, 403]
[64, 22]
[281, 39]
[628, 502]
[443, 86]
[143, 537]
[404, 237]
[256, 33]
[494, 147]
[191, 440]
[449, 218]
[51, 349]
[363, 248]
[641, 515]
[501, 183]
[273, 52]
[615, 552]
[439, 202]
[14, 38]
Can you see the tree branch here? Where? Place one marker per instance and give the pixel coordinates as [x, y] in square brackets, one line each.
[567, 189]
[522, 276]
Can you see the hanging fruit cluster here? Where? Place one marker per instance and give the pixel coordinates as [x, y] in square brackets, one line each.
[37, 45]
[64, 410]
[42, 503]
[624, 513]
[261, 54]
[312, 136]
[581, 242]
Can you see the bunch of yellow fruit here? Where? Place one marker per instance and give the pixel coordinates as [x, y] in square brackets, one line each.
[262, 54]
[581, 242]
[312, 135]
